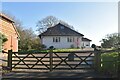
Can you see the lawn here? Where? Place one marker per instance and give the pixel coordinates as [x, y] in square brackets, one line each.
[55, 50]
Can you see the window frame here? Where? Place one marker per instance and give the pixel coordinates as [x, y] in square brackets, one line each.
[56, 39]
[70, 39]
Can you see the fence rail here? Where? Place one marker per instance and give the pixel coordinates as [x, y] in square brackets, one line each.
[67, 60]
[52, 60]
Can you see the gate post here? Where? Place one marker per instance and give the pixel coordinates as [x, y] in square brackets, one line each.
[118, 72]
[97, 60]
[10, 59]
[51, 59]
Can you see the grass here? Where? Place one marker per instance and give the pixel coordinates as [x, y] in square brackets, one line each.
[4, 70]
[55, 50]
[62, 50]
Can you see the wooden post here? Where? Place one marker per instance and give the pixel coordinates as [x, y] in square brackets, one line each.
[10, 59]
[97, 60]
[118, 72]
[51, 59]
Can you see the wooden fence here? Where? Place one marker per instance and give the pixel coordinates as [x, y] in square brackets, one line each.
[4, 58]
[52, 60]
[68, 60]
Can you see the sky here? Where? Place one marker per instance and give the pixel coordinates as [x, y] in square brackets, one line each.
[93, 19]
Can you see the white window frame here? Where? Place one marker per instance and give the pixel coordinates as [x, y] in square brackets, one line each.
[56, 39]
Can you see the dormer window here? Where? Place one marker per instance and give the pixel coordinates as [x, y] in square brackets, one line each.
[62, 27]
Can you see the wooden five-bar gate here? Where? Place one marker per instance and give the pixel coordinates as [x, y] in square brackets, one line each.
[68, 60]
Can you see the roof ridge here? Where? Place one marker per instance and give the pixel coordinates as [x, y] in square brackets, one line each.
[85, 39]
[57, 31]
[6, 17]
[71, 29]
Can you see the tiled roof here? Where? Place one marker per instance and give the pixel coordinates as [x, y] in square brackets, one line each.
[60, 30]
[3, 16]
[86, 39]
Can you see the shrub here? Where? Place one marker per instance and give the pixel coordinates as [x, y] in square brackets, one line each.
[82, 47]
[43, 46]
[72, 46]
[110, 62]
[93, 46]
[51, 47]
[3, 37]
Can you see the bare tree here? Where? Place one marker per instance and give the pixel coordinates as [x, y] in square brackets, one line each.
[50, 21]
[45, 23]
[66, 24]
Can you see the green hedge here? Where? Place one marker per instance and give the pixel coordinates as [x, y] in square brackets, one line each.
[40, 51]
[109, 62]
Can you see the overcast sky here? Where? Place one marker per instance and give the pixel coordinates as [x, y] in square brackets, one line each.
[93, 19]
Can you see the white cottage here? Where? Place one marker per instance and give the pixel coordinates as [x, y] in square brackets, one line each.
[61, 36]
[86, 42]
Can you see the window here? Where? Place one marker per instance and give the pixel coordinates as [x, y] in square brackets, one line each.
[73, 39]
[59, 39]
[62, 27]
[77, 39]
[70, 39]
[56, 39]
[83, 44]
[53, 39]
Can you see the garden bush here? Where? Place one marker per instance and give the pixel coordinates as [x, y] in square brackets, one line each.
[109, 62]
